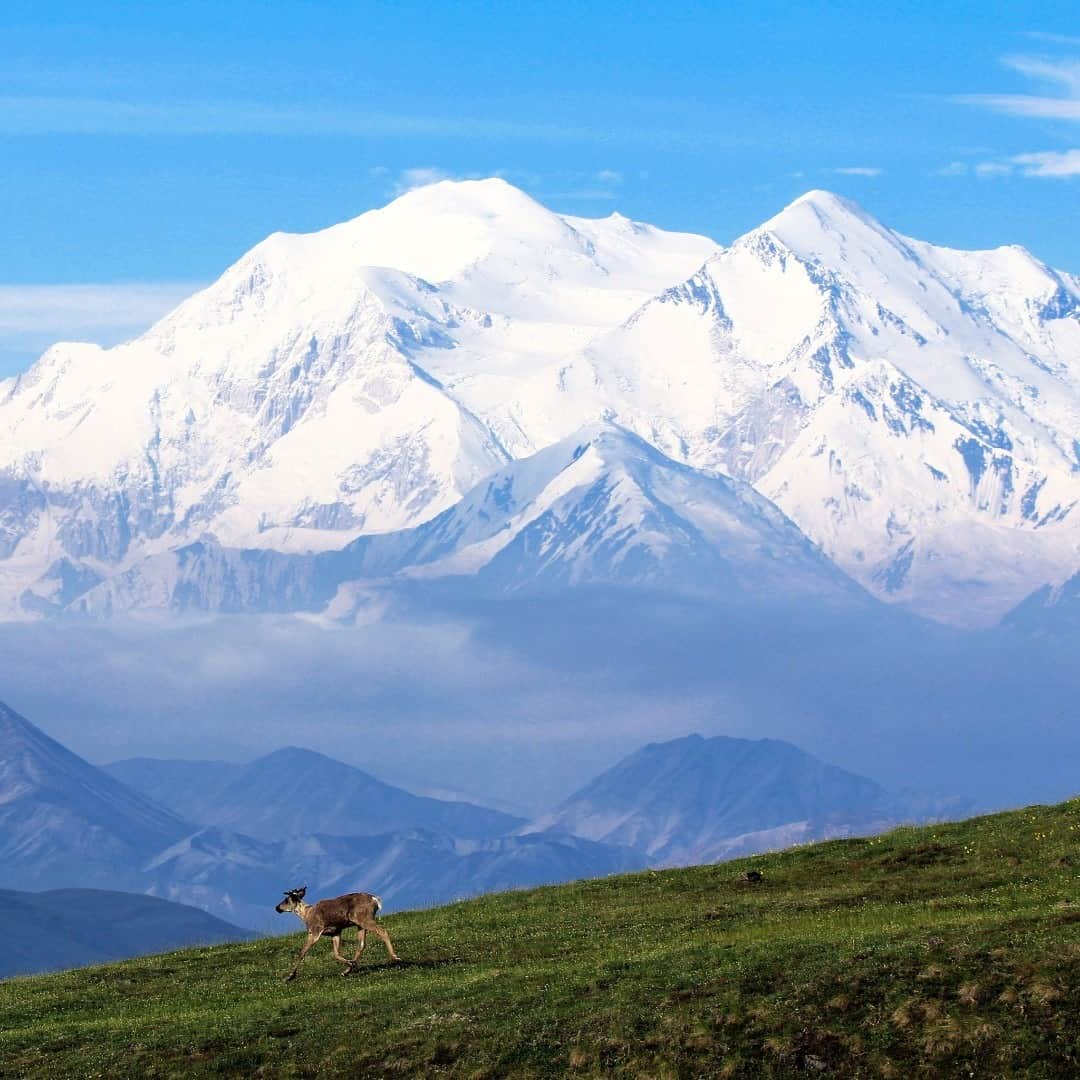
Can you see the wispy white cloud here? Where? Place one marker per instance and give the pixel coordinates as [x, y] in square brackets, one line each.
[1040, 108]
[1064, 73]
[992, 168]
[1058, 83]
[1052, 39]
[38, 115]
[610, 177]
[858, 170]
[96, 116]
[1059, 99]
[1046, 164]
[421, 177]
[1053, 164]
[29, 308]
[32, 317]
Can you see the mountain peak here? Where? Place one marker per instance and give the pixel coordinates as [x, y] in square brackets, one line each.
[491, 193]
[297, 759]
[826, 200]
[801, 223]
[363, 381]
[56, 805]
[606, 435]
[693, 798]
[493, 210]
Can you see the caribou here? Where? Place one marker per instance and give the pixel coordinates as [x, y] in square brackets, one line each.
[328, 918]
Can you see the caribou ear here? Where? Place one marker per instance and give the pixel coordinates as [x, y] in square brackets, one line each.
[301, 892]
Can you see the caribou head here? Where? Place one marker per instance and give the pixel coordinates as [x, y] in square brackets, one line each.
[293, 900]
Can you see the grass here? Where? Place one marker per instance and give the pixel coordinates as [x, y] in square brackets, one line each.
[947, 951]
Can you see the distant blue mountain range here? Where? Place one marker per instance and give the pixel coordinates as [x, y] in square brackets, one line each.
[228, 838]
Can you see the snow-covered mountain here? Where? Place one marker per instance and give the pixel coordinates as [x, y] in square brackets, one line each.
[694, 800]
[603, 506]
[606, 506]
[911, 408]
[285, 406]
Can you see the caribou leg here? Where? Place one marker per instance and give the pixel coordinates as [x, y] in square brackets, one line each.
[379, 932]
[361, 941]
[335, 940]
[311, 939]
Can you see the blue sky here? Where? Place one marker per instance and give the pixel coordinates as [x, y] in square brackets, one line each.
[143, 147]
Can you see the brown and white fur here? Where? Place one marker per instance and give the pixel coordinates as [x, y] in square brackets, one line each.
[328, 918]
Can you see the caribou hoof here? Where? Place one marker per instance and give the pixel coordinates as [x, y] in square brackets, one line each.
[290, 977]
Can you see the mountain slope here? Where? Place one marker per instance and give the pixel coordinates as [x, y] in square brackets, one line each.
[910, 407]
[295, 792]
[63, 928]
[603, 506]
[64, 822]
[240, 878]
[1052, 611]
[942, 951]
[699, 800]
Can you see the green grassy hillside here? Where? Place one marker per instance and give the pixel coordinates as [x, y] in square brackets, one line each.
[949, 951]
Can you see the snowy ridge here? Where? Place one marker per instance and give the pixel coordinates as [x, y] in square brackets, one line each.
[911, 408]
[601, 507]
